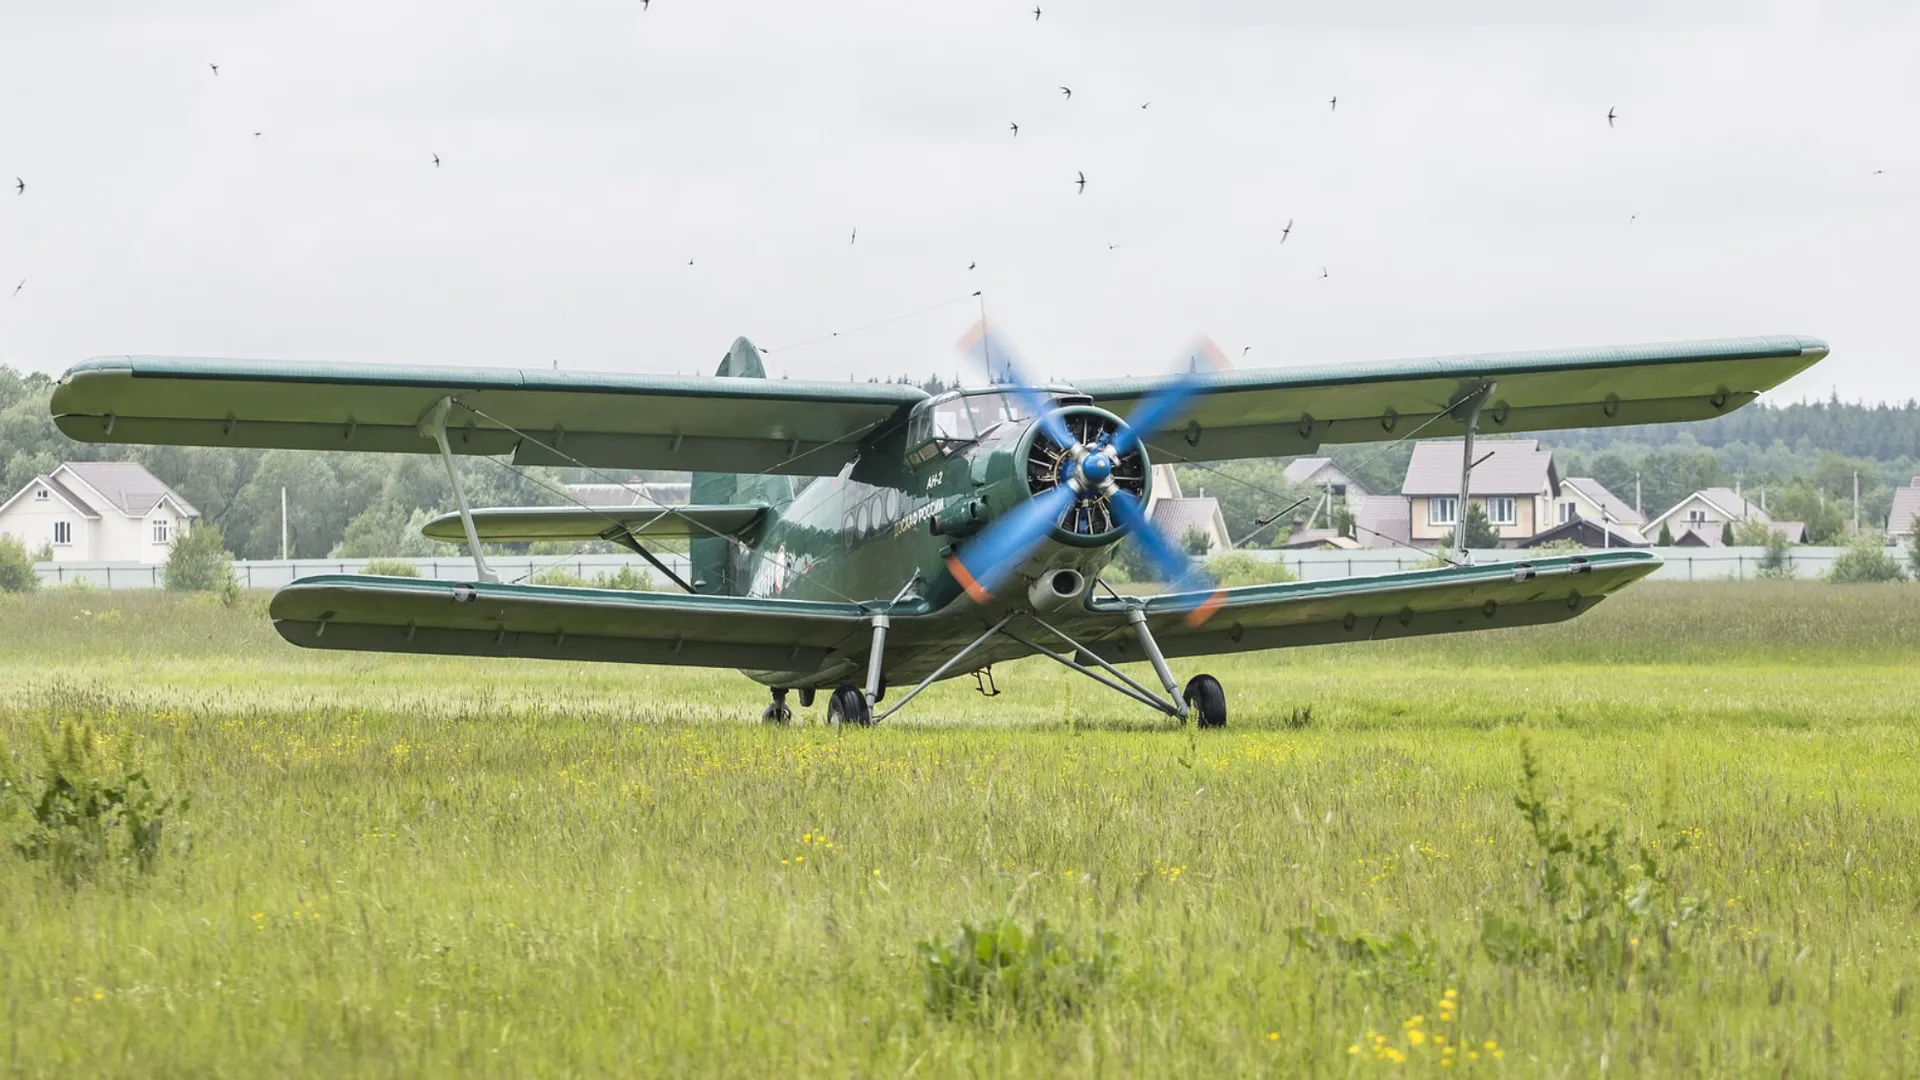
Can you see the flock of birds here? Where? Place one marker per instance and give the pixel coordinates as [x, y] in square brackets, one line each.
[1079, 181]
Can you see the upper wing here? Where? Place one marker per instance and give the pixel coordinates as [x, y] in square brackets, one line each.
[552, 623]
[1272, 413]
[1404, 604]
[541, 417]
[519, 523]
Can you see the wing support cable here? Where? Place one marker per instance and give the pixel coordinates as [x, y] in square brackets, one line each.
[433, 425]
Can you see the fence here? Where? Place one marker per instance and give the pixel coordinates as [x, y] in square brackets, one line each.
[273, 573]
[1681, 564]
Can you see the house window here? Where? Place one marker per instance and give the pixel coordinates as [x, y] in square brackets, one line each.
[1443, 510]
[1339, 490]
[62, 533]
[162, 531]
[41, 494]
[1501, 511]
[1696, 518]
[1567, 513]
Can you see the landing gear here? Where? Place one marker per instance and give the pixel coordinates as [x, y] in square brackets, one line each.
[778, 713]
[1207, 701]
[806, 697]
[848, 705]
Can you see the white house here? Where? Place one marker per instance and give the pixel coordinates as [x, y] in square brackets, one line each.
[1582, 498]
[1700, 519]
[98, 511]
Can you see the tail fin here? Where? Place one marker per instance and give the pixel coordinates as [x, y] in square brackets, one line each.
[721, 566]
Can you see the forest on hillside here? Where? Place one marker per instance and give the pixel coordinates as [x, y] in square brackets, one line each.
[1803, 457]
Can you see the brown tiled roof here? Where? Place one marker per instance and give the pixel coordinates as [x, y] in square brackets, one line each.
[1906, 508]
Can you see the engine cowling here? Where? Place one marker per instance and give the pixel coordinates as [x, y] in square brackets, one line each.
[1090, 521]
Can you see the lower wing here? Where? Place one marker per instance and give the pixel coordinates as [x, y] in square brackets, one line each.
[1410, 604]
[552, 623]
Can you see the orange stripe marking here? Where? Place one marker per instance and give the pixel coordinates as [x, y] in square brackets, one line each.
[1207, 607]
[959, 572]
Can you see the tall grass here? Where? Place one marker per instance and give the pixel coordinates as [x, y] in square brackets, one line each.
[406, 865]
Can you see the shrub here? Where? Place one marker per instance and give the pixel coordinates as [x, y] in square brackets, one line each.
[198, 562]
[390, 568]
[1604, 904]
[1560, 547]
[1865, 560]
[559, 577]
[16, 566]
[85, 818]
[1913, 550]
[1775, 564]
[1666, 536]
[1242, 569]
[1000, 971]
[1196, 542]
[628, 578]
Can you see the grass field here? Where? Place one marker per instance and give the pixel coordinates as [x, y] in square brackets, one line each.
[396, 865]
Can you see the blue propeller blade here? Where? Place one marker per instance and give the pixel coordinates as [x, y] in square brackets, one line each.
[1160, 407]
[1180, 571]
[991, 351]
[986, 562]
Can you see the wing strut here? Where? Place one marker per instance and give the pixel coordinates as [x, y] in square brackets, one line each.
[433, 425]
[1473, 402]
[627, 539]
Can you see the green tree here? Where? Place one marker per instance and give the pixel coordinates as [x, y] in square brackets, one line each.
[1775, 562]
[1196, 542]
[1913, 551]
[1726, 534]
[16, 566]
[1865, 560]
[198, 562]
[1666, 536]
[1802, 501]
[1480, 532]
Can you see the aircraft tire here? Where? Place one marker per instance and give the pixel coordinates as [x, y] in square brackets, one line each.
[776, 714]
[849, 706]
[806, 697]
[1207, 701]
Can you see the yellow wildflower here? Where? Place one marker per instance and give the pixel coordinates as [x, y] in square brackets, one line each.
[1415, 1036]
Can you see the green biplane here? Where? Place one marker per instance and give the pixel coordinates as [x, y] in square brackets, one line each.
[942, 534]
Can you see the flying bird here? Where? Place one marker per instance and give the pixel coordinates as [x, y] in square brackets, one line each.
[1877, 172]
[855, 236]
[22, 285]
[1610, 115]
[215, 67]
[1036, 13]
[1148, 103]
[1016, 129]
[1113, 247]
[436, 161]
[689, 262]
[1285, 231]
[1067, 92]
[1323, 271]
[1246, 350]
[1333, 103]
[1083, 184]
[972, 265]
[19, 186]
[256, 134]
[643, 5]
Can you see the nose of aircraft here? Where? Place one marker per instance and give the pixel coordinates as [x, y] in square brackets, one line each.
[1096, 468]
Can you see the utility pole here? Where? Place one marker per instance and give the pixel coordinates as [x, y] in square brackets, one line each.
[1636, 496]
[1856, 500]
[283, 524]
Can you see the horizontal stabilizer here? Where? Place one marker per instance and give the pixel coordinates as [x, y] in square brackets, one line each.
[531, 523]
[373, 614]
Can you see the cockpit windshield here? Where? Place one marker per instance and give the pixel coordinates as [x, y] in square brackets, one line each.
[955, 419]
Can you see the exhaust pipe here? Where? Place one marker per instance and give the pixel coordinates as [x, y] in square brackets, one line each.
[1055, 589]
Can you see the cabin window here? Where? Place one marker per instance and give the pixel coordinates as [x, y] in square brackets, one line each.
[62, 533]
[162, 531]
[1502, 511]
[1443, 510]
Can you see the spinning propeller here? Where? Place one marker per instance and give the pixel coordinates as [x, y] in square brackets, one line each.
[1086, 473]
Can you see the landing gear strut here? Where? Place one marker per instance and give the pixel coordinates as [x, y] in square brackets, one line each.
[778, 713]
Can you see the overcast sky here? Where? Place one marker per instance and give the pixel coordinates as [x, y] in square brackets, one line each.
[1466, 195]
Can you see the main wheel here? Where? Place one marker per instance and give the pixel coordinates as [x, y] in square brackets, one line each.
[848, 705]
[1207, 701]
